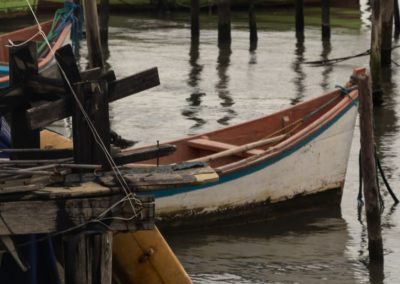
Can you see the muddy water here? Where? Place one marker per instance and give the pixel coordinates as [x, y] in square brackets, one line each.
[204, 87]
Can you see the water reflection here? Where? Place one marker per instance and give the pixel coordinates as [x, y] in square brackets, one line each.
[222, 86]
[310, 248]
[195, 98]
[297, 67]
[326, 50]
[253, 54]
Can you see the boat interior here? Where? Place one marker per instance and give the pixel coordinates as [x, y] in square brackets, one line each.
[248, 141]
[18, 36]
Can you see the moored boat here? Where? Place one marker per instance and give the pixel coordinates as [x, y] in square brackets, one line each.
[58, 33]
[289, 157]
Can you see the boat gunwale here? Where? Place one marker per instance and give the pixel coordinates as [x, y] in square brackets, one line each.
[299, 136]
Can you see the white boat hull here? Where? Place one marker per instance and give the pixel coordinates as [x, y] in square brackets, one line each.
[315, 164]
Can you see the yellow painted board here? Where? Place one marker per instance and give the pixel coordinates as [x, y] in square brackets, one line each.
[144, 257]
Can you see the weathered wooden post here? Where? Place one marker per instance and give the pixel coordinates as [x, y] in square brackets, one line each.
[368, 165]
[325, 20]
[252, 24]
[195, 20]
[104, 17]
[93, 97]
[22, 63]
[92, 34]
[396, 16]
[299, 18]
[375, 57]
[224, 22]
[387, 29]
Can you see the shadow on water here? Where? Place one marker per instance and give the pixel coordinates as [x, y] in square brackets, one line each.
[222, 86]
[310, 247]
[195, 98]
[300, 75]
[326, 50]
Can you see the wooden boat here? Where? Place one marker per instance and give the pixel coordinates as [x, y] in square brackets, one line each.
[291, 155]
[14, 8]
[47, 63]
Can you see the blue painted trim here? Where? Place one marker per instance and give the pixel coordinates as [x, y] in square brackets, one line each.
[261, 165]
[4, 70]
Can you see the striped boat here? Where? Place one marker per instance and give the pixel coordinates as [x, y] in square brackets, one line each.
[294, 157]
[47, 63]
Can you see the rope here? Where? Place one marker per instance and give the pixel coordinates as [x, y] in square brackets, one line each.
[332, 61]
[97, 138]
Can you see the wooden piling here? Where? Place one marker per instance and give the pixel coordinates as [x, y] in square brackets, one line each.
[23, 64]
[224, 22]
[104, 17]
[396, 16]
[93, 34]
[252, 23]
[325, 20]
[375, 57]
[368, 165]
[88, 258]
[195, 20]
[93, 96]
[299, 18]
[387, 31]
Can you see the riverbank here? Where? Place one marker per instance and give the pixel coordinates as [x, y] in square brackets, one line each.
[206, 5]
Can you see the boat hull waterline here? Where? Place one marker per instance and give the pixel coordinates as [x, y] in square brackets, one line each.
[313, 161]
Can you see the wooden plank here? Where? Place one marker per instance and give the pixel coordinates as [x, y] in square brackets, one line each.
[69, 70]
[40, 154]
[133, 84]
[99, 115]
[217, 146]
[48, 216]
[138, 155]
[83, 140]
[240, 149]
[44, 114]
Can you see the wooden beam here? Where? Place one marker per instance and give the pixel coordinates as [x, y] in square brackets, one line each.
[23, 64]
[138, 155]
[40, 154]
[55, 215]
[46, 113]
[133, 84]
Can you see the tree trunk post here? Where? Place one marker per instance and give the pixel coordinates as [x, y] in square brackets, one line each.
[224, 22]
[93, 34]
[368, 165]
[375, 57]
[252, 23]
[104, 17]
[195, 19]
[299, 18]
[325, 20]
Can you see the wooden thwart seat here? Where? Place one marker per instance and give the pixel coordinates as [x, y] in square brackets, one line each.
[216, 146]
[247, 149]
